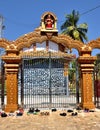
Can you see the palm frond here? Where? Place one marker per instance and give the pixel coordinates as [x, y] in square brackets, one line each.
[71, 27]
[83, 36]
[83, 27]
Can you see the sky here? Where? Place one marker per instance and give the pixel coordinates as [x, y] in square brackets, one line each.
[23, 16]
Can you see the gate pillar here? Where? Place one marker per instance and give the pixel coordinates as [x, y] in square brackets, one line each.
[86, 81]
[66, 77]
[11, 69]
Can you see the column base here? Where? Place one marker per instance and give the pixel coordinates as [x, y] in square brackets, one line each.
[11, 107]
[88, 105]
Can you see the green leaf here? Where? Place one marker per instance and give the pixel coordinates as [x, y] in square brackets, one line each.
[76, 34]
[70, 28]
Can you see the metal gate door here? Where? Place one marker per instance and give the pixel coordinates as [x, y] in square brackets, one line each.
[2, 84]
[2, 80]
[97, 85]
[43, 84]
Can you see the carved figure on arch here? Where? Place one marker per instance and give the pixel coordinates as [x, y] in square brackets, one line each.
[49, 21]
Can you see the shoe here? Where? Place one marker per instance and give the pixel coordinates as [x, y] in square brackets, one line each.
[35, 113]
[44, 113]
[91, 111]
[63, 114]
[31, 110]
[78, 108]
[54, 109]
[3, 114]
[37, 110]
[69, 110]
[74, 114]
[19, 114]
[86, 110]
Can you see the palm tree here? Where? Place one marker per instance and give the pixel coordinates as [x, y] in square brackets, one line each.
[71, 27]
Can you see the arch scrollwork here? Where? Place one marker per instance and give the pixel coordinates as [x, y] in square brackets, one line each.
[94, 44]
[35, 37]
[4, 43]
[28, 39]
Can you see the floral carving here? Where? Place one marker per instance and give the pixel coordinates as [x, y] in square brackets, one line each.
[12, 46]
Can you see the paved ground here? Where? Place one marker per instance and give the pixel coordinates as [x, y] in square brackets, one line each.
[84, 121]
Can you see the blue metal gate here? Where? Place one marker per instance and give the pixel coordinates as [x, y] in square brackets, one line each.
[2, 85]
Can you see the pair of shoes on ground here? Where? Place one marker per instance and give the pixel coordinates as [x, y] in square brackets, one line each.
[19, 114]
[63, 114]
[54, 110]
[74, 114]
[45, 113]
[32, 110]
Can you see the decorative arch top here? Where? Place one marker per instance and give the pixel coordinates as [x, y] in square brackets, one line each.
[50, 33]
[35, 37]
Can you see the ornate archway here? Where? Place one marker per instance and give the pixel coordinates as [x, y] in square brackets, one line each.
[12, 59]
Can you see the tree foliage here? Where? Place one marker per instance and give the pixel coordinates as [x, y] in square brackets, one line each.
[73, 29]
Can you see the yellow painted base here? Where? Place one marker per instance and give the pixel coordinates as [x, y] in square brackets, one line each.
[88, 105]
[11, 107]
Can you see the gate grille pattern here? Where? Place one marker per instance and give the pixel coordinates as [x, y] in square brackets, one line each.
[2, 85]
[97, 86]
[43, 84]
[2, 80]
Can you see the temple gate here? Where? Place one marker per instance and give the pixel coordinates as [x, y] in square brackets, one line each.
[48, 32]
